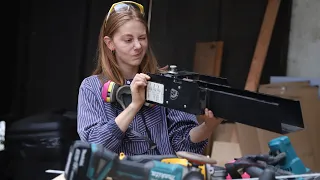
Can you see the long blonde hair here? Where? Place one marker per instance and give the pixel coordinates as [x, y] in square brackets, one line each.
[107, 64]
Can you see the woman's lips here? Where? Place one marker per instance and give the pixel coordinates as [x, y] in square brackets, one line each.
[138, 54]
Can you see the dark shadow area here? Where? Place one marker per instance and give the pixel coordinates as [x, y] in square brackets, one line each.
[53, 45]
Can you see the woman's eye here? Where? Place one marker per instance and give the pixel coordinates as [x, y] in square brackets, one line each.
[142, 38]
[127, 40]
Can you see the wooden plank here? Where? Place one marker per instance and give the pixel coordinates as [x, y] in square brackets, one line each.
[149, 15]
[218, 58]
[262, 45]
[248, 139]
[206, 55]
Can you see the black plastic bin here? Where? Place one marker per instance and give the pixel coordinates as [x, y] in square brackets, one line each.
[40, 142]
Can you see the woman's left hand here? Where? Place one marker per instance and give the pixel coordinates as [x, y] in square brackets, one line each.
[206, 128]
[209, 119]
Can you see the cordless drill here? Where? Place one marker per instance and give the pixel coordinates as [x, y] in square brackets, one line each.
[88, 161]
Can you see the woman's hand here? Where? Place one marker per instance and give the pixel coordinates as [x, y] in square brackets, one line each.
[205, 129]
[138, 89]
[210, 121]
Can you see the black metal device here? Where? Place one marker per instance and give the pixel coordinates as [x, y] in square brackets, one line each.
[193, 92]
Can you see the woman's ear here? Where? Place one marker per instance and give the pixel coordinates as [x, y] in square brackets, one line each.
[108, 41]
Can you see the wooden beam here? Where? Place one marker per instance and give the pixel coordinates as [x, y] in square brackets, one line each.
[248, 139]
[149, 14]
[262, 46]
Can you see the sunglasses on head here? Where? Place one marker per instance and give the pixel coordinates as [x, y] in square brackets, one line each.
[125, 6]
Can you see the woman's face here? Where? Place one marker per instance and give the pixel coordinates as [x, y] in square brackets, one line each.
[130, 43]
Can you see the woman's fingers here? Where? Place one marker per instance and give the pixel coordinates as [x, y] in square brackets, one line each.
[141, 84]
[145, 76]
[140, 80]
[142, 77]
[208, 113]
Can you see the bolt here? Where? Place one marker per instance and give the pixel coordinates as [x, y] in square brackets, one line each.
[173, 69]
[173, 66]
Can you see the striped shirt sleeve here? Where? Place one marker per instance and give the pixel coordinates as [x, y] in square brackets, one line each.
[180, 124]
[93, 125]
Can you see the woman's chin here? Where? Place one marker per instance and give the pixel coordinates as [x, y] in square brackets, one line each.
[136, 62]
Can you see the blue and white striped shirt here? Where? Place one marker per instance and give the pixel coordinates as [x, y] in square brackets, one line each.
[169, 128]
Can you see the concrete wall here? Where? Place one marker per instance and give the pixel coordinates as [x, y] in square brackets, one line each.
[304, 41]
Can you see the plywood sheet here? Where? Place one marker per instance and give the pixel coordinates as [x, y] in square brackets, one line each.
[208, 57]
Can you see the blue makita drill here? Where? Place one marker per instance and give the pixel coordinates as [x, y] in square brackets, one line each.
[291, 162]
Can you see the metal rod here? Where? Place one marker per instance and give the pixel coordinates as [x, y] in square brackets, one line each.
[52, 171]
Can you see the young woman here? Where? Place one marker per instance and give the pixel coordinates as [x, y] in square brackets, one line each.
[125, 57]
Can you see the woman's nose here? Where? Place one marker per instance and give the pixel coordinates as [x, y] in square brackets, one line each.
[137, 44]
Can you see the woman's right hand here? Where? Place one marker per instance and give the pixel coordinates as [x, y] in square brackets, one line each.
[138, 89]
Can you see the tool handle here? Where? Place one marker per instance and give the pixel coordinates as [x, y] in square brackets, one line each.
[128, 170]
[146, 158]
